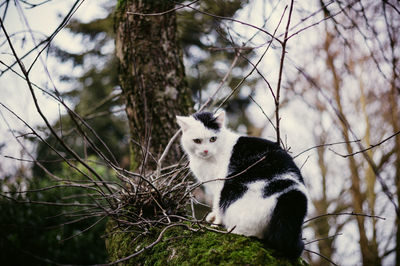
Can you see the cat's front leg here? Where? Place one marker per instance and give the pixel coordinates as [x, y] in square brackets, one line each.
[214, 216]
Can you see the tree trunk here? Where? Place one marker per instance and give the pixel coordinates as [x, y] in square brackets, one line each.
[369, 252]
[395, 116]
[152, 77]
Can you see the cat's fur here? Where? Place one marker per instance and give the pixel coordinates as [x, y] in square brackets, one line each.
[257, 196]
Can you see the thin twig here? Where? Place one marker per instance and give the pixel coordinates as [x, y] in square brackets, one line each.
[344, 213]
[221, 83]
[323, 145]
[322, 256]
[165, 12]
[321, 239]
[237, 21]
[278, 87]
[370, 147]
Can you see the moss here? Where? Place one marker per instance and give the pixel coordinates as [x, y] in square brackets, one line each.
[183, 247]
[120, 4]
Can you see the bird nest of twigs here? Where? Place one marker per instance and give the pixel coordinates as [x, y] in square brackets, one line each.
[158, 198]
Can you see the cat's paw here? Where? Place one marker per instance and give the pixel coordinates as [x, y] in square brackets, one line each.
[214, 218]
[211, 217]
[217, 221]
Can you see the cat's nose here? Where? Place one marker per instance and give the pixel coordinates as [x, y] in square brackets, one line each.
[205, 151]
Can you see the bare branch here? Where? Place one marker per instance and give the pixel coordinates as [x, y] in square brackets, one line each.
[278, 87]
[344, 213]
[165, 12]
[322, 256]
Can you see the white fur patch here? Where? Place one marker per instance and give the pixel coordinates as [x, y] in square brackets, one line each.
[214, 164]
[297, 186]
[250, 214]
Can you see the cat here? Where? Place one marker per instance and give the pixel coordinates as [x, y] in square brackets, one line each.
[256, 188]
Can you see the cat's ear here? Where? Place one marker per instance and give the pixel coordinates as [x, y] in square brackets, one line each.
[183, 122]
[220, 118]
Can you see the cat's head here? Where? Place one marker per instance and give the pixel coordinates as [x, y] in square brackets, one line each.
[201, 133]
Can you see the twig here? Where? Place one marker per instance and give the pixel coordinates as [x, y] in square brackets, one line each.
[237, 21]
[35, 5]
[321, 239]
[166, 150]
[323, 145]
[221, 83]
[86, 229]
[48, 203]
[243, 79]
[320, 21]
[370, 147]
[278, 87]
[254, 66]
[165, 12]
[262, 110]
[344, 213]
[322, 256]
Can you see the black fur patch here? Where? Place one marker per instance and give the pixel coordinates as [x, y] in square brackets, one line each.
[231, 192]
[208, 120]
[246, 152]
[277, 186]
[284, 229]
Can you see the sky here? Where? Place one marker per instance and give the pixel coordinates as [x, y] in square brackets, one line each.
[14, 92]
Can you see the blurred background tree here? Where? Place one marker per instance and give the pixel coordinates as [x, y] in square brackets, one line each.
[350, 81]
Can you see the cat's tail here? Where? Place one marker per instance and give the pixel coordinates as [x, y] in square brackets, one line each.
[284, 229]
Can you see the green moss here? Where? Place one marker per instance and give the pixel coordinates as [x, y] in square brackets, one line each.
[183, 247]
[120, 4]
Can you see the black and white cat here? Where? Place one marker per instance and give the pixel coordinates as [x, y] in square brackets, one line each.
[261, 193]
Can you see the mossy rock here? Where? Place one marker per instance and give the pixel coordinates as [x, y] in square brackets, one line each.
[180, 246]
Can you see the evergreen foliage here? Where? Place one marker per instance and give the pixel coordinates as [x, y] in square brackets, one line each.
[33, 233]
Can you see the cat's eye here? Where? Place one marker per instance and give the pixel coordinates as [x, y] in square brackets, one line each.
[213, 139]
[197, 141]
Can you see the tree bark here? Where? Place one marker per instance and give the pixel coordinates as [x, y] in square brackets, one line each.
[152, 77]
